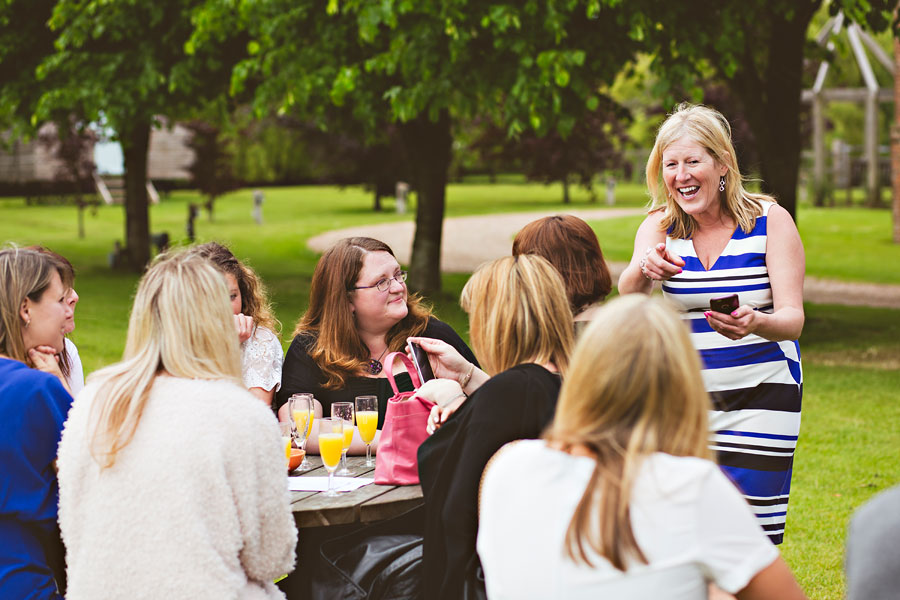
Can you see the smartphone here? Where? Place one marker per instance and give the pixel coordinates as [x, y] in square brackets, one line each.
[725, 304]
[420, 360]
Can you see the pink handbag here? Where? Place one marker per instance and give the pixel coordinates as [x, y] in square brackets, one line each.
[404, 429]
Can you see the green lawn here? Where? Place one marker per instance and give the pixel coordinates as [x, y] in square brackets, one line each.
[849, 439]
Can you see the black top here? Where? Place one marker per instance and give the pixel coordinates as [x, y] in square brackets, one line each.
[300, 373]
[516, 404]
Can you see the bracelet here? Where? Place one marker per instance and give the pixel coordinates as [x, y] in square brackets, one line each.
[465, 380]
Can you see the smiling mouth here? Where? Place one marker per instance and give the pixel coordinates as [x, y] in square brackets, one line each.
[689, 192]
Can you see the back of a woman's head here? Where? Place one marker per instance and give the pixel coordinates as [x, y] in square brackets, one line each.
[23, 274]
[634, 383]
[182, 316]
[518, 312]
[572, 248]
[181, 324]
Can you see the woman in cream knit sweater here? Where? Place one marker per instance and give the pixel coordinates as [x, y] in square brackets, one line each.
[172, 476]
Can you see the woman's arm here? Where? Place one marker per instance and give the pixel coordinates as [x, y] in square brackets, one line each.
[786, 263]
[265, 396]
[651, 254]
[775, 582]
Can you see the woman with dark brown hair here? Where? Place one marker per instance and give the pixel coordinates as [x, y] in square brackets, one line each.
[261, 353]
[572, 248]
[359, 311]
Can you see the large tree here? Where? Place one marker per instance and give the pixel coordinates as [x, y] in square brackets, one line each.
[123, 63]
[757, 48]
[533, 65]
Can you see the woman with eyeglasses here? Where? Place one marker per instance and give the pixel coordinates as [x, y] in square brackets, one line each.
[359, 311]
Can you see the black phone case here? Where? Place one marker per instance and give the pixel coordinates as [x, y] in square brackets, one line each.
[724, 305]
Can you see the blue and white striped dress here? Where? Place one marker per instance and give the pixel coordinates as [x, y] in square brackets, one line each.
[755, 384]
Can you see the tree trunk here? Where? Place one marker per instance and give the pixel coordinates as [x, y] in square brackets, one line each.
[772, 105]
[135, 142]
[428, 146]
[376, 205]
[566, 198]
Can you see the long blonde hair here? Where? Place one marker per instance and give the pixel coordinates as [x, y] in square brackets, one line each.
[23, 274]
[711, 130]
[181, 324]
[518, 312]
[634, 388]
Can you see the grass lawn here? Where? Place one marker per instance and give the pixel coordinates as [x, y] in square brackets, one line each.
[849, 439]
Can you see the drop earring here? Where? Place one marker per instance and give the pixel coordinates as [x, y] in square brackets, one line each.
[722, 183]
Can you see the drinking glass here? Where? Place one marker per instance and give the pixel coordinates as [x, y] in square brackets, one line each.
[286, 440]
[331, 444]
[344, 410]
[302, 408]
[367, 423]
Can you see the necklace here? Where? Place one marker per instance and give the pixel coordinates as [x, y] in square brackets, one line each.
[374, 366]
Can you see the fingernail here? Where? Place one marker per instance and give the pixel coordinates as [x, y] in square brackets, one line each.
[679, 270]
[734, 313]
[706, 314]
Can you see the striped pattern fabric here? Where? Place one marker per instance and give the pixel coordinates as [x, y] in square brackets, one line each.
[755, 384]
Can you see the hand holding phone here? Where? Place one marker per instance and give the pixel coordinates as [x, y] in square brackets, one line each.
[420, 360]
[725, 304]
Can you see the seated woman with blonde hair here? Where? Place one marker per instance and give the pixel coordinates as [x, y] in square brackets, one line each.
[621, 499]
[521, 330]
[173, 425]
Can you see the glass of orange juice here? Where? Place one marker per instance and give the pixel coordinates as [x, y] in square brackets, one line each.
[302, 409]
[344, 410]
[286, 440]
[367, 423]
[331, 446]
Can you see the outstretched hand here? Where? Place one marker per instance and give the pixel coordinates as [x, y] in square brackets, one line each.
[660, 264]
[446, 362]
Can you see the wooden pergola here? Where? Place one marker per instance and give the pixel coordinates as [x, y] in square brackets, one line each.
[870, 96]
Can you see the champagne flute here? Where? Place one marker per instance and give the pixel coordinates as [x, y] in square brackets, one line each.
[302, 408]
[331, 444]
[367, 423]
[344, 410]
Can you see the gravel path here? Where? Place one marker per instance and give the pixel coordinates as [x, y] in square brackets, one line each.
[470, 241]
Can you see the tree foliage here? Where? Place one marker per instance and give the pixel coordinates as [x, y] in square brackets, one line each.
[425, 64]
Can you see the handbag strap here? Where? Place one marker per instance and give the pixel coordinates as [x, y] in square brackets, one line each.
[410, 368]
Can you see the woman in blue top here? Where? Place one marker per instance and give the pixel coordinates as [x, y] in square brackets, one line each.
[706, 238]
[33, 408]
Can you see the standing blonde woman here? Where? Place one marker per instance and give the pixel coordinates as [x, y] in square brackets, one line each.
[33, 408]
[521, 330]
[706, 239]
[621, 499]
[171, 424]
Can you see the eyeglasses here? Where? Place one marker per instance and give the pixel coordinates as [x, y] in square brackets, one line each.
[384, 285]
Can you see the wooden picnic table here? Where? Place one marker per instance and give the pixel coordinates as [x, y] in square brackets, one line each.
[367, 504]
[320, 518]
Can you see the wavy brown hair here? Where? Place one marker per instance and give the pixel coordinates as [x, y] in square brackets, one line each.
[254, 299]
[338, 350]
[634, 388]
[572, 248]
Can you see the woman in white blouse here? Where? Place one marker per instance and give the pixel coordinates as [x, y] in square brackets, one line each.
[261, 351]
[621, 498]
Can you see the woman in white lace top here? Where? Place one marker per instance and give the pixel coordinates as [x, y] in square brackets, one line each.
[261, 351]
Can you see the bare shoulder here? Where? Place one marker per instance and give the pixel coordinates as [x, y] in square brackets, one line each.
[780, 217]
